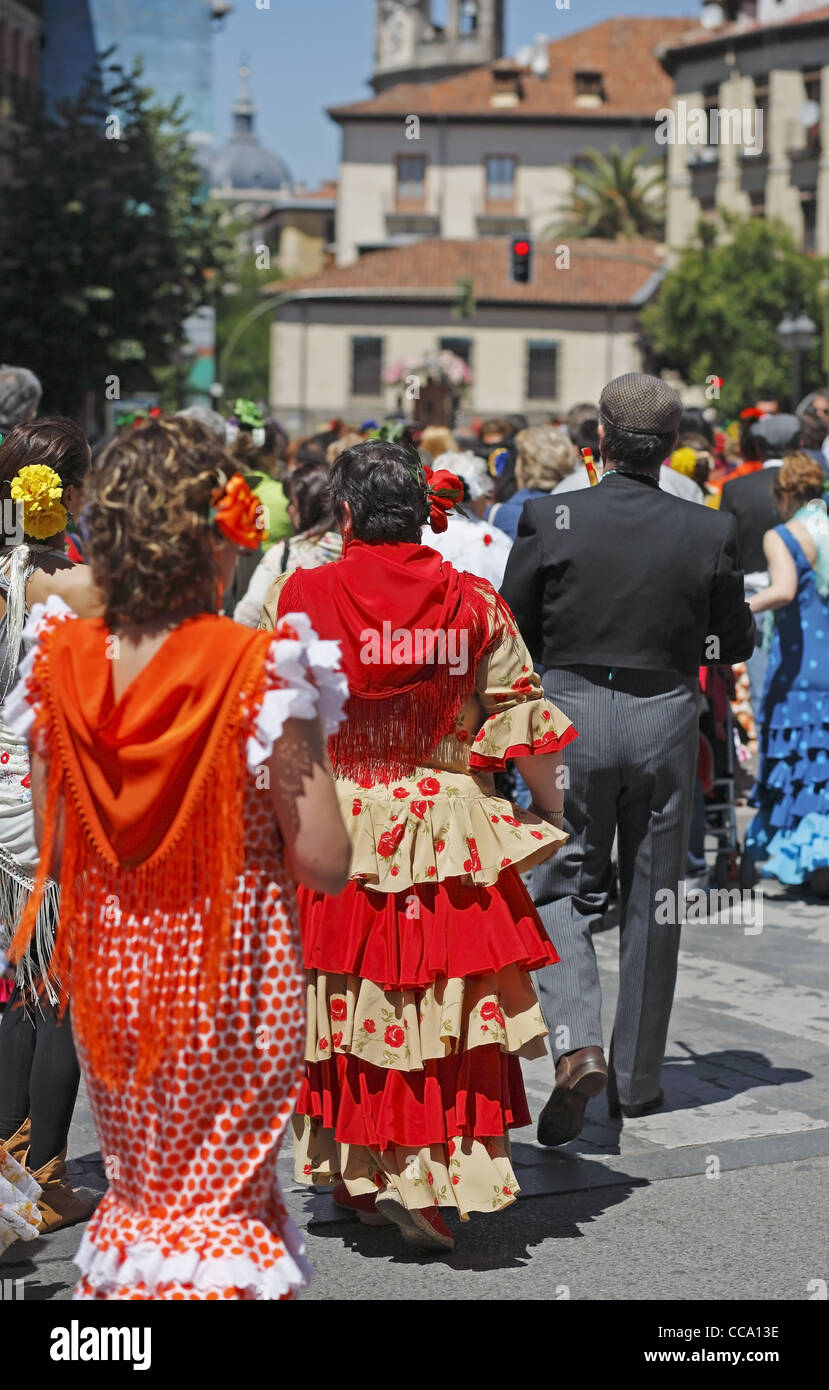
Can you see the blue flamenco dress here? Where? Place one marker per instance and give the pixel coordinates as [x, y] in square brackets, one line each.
[791, 828]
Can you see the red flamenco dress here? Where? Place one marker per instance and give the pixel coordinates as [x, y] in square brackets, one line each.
[420, 1001]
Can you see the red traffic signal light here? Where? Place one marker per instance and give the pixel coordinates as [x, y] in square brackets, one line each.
[521, 250]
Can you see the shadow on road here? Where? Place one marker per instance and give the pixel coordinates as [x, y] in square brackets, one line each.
[503, 1240]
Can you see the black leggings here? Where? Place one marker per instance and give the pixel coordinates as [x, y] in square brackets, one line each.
[39, 1076]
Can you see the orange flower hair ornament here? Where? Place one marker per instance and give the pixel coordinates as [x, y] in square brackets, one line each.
[445, 491]
[237, 514]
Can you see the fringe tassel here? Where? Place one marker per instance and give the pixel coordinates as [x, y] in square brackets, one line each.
[33, 968]
[132, 1008]
[391, 737]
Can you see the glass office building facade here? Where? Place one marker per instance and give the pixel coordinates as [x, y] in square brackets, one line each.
[173, 37]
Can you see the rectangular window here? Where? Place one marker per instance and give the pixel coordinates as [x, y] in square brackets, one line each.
[808, 205]
[462, 347]
[813, 83]
[757, 198]
[711, 102]
[468, 18]
[542, 370]
[411, 179]
[500, 178]
[590, 84]
[761, 94]
[366, 366]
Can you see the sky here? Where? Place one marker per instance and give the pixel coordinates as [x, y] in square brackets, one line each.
[306, 55]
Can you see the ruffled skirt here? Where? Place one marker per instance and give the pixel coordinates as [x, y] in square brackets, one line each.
[420, 1005]
[791, 829]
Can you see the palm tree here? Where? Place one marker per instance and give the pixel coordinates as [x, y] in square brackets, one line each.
[610, 198]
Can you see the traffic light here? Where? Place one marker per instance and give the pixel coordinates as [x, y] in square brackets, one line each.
[521, 258]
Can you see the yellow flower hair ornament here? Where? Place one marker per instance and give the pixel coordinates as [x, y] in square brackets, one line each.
[684, 461]
[39, 489]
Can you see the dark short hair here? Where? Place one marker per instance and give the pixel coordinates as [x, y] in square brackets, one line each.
[812, 430]
[576, 416]
[385, 487]
[626, 449]
[586, 434]
[309, 488]
[499, 425]
[312, 450]
[693, 421]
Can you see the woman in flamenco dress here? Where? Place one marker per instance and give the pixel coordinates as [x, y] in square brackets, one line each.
[420, 1000]
[181, 789]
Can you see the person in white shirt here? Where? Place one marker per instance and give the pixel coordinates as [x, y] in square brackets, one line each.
[469, 542]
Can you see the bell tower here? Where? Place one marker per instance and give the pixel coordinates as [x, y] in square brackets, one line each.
[411, 46]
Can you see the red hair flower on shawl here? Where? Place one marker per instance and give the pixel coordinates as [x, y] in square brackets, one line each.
[445, 490]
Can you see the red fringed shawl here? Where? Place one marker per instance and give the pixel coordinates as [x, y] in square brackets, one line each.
[412, 631]
[146, 795]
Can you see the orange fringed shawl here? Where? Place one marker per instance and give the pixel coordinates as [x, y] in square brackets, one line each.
[148, 791]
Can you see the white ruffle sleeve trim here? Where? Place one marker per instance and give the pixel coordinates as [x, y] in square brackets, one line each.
[18, 714]
[304, 680]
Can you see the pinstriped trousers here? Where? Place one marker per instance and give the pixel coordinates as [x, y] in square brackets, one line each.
[630, 771]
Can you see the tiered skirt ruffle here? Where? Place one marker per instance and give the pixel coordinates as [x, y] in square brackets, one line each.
[791, 830]
[419, 1007]
[203, 1255]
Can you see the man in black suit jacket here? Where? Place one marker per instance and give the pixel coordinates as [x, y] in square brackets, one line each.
[622, 591]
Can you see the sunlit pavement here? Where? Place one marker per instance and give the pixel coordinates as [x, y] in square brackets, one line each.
[718, 1195]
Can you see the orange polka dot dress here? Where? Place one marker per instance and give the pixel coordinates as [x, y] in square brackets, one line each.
[193, 1209]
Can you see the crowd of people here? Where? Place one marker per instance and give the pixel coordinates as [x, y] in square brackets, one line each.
[316, 758]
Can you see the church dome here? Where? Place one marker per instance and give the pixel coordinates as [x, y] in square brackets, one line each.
[243, 162]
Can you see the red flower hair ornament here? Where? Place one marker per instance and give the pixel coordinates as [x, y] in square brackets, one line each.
[237, 514]
[445, 490]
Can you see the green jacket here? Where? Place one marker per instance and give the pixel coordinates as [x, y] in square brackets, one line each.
[272, 496]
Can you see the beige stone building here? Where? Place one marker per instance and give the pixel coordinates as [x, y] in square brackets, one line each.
[490, 151]
[535, 348]
[752, 56]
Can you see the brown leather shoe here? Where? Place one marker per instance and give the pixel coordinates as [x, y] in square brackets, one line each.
[18, 1145]
[579, 1076]
[61, 1203]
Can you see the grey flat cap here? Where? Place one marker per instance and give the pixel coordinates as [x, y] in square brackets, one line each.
[778, 432]
[640, 403]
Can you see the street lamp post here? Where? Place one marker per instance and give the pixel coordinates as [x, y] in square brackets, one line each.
[796, 334]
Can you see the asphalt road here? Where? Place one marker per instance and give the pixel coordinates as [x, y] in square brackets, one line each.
[717, 1196]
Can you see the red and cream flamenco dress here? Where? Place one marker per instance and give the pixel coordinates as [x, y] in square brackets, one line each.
[178, 941]
[420, 1000]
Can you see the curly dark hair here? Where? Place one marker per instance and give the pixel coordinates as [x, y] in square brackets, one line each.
[59, 443]
[147, 520]
[385, 486]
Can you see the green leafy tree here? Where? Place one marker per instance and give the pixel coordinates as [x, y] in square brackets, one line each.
[610, 198]
[107, 243]
[248, 370]
[717, 310]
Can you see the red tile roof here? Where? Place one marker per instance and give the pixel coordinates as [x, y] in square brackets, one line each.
[622, 50]
[601, 272]
[742, 30]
